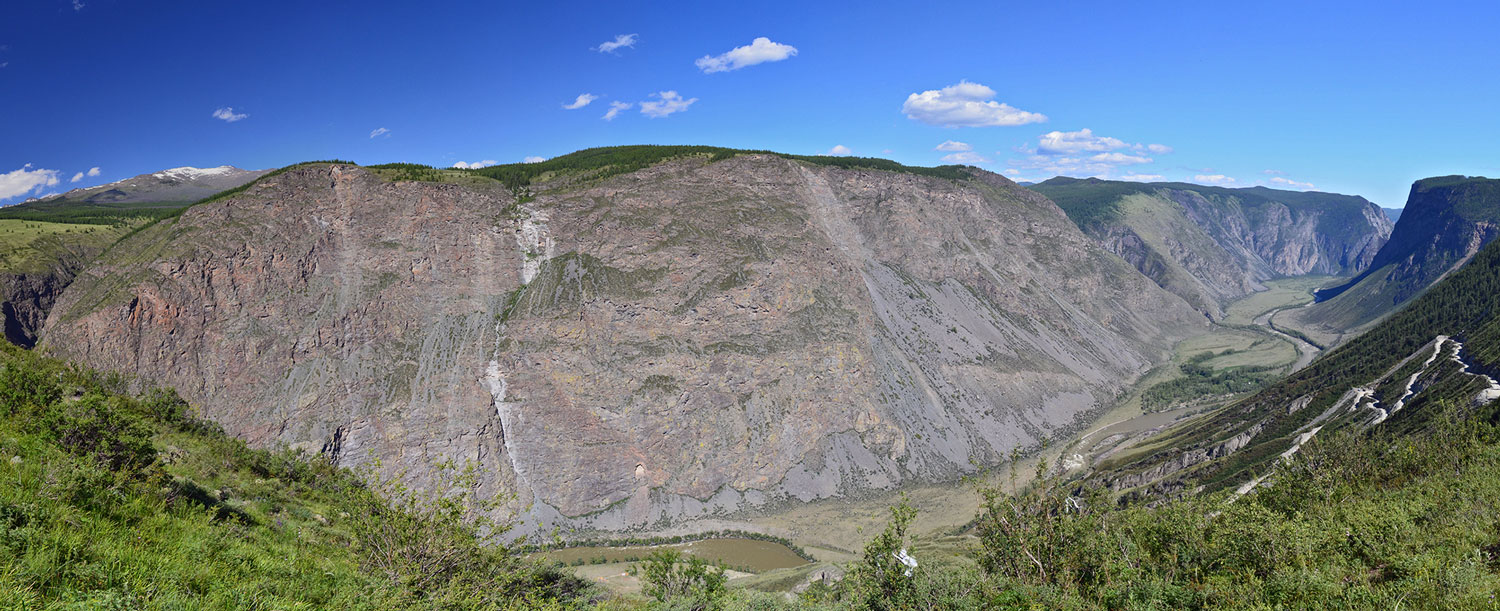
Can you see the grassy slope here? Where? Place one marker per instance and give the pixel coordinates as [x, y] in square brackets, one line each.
[35, 246]
[1466, 306]
[1091, 200]
[112, 501]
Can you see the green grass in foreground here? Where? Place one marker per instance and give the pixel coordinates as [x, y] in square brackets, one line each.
[109, 501]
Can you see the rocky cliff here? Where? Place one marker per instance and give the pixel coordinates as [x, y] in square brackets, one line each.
[691, 339]
[1445, 222]
[1211, 245]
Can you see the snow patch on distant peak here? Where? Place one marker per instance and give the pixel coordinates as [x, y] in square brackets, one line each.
[190, 173]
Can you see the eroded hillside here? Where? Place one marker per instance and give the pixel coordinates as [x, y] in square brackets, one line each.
[697, 337]
[1211, 245]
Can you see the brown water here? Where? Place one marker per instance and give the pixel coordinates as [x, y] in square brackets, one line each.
[757, 556]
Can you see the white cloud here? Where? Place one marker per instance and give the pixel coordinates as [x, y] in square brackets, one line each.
[615, 108]
[1119, 159]
[966, 158]
[1273, 172]
[228, 114]
[1287, 182]
[951, 145]
[533, 159]
[476, 165]
[759, 51]
[76, 177]
[1073, 143]
[78, 5]
[25, 180]
[839, 149]
[1141, 177]
[667, 102]
[94, 171]
[584, 99]
[1213, 179]
[965, 105]
[380, 131]
[622, 40]
[1083, 153]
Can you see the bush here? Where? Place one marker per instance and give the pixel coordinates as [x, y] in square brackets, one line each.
[690, 584]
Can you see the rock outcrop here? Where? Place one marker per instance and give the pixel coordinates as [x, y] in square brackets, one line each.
[688, 340]
[1445, 222]
[1212, 245]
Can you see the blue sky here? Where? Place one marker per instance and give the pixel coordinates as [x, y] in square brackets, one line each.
[1356, 98]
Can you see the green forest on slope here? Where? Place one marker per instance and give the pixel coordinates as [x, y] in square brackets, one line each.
[1465, 305]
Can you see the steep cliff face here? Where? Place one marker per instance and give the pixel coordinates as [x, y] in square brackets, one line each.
[1211, 245]
[35, 269]
[682, 341]
[1446, 221]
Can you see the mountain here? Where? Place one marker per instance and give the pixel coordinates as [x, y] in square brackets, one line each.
[1393, 213]
[635, 336]
[1433, 359]
[174, 186]
[1211, 245]
[46, 242]
[1448, 219]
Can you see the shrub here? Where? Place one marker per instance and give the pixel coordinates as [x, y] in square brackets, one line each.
[682, 584]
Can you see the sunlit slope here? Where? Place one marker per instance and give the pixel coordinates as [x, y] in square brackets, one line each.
[1211, 245]
[1446, 221]
[1434, 352]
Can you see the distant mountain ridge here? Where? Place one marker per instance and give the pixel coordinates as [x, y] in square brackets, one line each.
[1446, 221]
[175, 186]
[1211, 245]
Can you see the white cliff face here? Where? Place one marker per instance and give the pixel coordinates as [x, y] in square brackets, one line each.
[535, 242]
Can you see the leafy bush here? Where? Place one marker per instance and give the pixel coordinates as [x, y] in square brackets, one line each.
[682, 582]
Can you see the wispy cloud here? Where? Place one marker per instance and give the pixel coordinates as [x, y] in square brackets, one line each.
[965, 105]
[615, 108]
[1287, 182]
[78, 5]
[25, 180]
[380, 131]
[1141, 177]
[840, 150]
[1213, 179]
[584, 99]
[476, 165]
[94, 171]
[666, 103]
[621, 41]
[966, 158]
[759, 51]
[229, 115]
[953, 145]
[1084, 153]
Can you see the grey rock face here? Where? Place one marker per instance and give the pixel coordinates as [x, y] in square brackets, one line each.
[688, 340]
[1212, 245]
